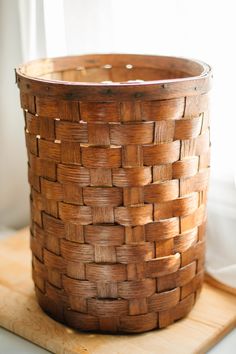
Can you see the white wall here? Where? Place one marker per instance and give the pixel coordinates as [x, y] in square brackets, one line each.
[13, 176]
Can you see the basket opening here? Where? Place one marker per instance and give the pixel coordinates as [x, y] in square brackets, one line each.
[112, 68]
[114, 74]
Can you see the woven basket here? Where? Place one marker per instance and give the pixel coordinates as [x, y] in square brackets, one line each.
[118, 150]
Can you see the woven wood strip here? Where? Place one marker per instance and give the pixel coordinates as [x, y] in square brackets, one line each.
[119, 176]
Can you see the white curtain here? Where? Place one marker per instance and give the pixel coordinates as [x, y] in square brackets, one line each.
[13, 185]
[192, 28]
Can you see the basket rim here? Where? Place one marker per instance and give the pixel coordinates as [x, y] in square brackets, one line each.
[115, 91]
[206, 71]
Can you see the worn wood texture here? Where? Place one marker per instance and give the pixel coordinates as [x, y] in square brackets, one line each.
[212, 317]
[118, 187]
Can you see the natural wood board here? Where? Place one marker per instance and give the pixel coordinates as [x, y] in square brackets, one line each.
[212, 317]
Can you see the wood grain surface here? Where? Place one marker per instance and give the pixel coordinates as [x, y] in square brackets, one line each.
[212, 317]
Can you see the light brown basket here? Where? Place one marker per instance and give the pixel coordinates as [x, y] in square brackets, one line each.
[118, 150]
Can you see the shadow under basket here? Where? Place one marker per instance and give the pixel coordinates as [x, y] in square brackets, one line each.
[118, 162]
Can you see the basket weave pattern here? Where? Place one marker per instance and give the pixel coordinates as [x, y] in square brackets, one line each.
[118, 195]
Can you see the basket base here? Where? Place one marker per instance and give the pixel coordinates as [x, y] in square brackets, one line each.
[128, 324]
[211, 319]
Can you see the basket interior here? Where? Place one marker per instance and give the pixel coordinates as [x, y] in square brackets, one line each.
[109, 73]
[114, 68]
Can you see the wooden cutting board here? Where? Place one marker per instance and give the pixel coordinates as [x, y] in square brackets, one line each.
[213, 316]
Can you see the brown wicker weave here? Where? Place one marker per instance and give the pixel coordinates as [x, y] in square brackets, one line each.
[118, 170]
